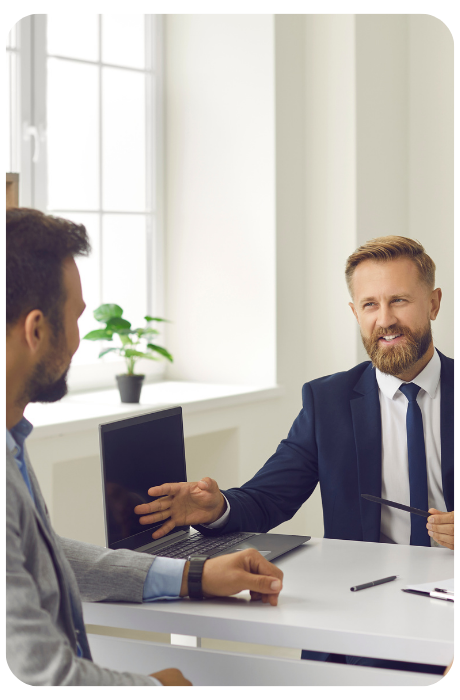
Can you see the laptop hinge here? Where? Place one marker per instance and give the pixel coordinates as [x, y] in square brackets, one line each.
[161, 541]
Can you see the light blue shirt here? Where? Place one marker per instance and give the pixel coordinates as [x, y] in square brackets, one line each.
[164, 578]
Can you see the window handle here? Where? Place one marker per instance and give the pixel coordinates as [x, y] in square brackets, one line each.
[38, 135]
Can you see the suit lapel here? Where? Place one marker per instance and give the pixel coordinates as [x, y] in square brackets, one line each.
[367, 428]
[447, 430]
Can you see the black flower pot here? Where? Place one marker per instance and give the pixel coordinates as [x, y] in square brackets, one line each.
[130, 387]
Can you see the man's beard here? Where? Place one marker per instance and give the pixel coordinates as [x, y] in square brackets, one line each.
[42, 386]
[397, 359]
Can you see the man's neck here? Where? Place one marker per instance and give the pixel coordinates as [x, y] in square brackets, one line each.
[14, 413]
[420, 365]
[17, 371]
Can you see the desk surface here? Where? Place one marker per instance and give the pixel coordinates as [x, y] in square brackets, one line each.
[317, 610]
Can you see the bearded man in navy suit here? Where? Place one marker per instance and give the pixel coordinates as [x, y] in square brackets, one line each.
[350, 435]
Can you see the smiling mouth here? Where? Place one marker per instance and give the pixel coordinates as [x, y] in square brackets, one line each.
[390, 338]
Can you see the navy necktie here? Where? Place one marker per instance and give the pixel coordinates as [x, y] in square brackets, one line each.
[417, 465]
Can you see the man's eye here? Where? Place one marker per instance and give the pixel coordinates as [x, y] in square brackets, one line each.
[395, 300]
[369, 303]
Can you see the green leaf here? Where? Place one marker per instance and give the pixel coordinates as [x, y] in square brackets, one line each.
[105, 312]
[104, 352]
[145, 332]
[134, 353]
[101, 334]
[153, 318]
[161, 351]
[117, 323]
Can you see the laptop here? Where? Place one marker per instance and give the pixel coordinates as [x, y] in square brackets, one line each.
[148, 450]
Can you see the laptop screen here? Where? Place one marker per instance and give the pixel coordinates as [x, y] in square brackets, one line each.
[138, 453]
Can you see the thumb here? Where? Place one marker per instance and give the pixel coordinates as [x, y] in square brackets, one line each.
[263, 584]
[206, 483]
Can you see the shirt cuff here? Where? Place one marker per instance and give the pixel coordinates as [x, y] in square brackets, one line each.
[223, 518]
[164, 579]
[155, 681]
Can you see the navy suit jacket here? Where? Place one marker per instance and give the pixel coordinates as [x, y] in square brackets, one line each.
[336, 440]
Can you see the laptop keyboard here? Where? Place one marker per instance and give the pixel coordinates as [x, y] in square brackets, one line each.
[197, 544]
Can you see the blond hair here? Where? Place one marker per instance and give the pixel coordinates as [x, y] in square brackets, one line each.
[388, 248]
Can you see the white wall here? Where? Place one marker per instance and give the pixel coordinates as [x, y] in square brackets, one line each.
[330, 191]
[404, 154]
[431, 157]
[220, 203]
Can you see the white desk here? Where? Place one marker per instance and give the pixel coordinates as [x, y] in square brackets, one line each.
[317, 610]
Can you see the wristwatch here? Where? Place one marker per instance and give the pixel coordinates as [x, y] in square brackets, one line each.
[195, 574]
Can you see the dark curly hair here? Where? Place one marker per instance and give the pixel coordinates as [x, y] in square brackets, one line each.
[36, 247]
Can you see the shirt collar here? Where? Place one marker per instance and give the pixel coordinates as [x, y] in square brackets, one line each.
[16, 436]
[428, 379]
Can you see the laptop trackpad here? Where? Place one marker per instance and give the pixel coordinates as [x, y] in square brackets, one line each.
[263, 553]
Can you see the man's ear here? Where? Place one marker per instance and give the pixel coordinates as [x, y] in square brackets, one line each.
[352, 307]
[35, 330]
[436, 297]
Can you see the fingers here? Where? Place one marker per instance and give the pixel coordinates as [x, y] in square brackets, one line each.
[164, 529]
[272, 599]
[165, 490]
[439, 517]
[440, 527]
[154, 506]
[258, 564]
[261, 576]
[155, 517]
[445, 540]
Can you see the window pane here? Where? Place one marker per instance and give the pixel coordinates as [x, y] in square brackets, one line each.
[9, 166]
[123, 40]
[90, 278]
[124, 265]
[123, 128]
[12, 121]
[74, 35]
[73, 135]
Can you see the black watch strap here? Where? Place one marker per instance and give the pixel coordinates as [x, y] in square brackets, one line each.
[195, 574]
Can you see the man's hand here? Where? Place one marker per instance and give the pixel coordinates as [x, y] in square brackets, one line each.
[185, 503]
[240, 571]
[440, 527]
[170, 676]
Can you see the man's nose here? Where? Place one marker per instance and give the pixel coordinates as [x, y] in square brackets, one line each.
[386, 317]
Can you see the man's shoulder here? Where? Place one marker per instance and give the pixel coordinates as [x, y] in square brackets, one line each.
[339, 381]
[447, 361]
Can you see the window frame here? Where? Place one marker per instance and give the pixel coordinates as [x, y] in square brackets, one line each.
[31, 138]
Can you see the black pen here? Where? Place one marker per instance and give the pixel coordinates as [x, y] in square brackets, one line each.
[373, 583]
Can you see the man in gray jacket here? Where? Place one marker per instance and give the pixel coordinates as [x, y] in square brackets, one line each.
[48, 575]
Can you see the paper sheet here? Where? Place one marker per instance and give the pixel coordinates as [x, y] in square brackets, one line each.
[448, 584]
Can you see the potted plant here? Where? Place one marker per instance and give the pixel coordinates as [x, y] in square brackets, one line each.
[135, 343]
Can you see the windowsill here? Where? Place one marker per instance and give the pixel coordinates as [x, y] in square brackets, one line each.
[80, 412]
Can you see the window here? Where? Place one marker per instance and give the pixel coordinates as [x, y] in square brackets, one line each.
[90, 146]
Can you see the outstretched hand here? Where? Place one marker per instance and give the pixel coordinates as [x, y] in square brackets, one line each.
[183, 503]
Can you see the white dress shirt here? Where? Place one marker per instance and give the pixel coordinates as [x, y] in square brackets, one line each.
[395, 524]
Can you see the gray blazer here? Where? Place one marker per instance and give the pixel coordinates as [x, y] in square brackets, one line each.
[40, 636]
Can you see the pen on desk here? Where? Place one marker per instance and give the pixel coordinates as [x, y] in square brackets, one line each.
[373, 583]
